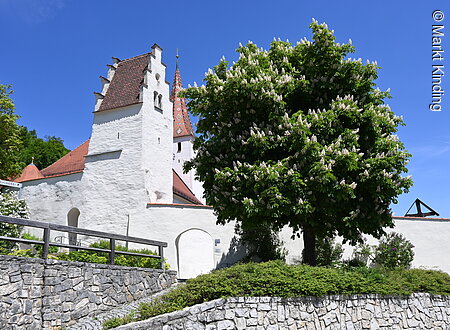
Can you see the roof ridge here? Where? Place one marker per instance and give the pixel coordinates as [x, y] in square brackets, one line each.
[183, 181]
[134, 57]
[66, 154]
[193, 199]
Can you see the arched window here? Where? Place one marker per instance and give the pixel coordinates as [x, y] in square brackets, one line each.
[72, 220]
[155, 98]
[160, 101]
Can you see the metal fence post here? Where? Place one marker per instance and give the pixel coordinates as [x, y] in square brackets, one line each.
[161, 255]
[112, 247]
[46, 243]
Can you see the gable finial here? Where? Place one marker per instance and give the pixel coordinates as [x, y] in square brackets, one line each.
[177, 56]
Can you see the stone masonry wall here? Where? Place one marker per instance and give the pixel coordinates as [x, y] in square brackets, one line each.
[418, 311]
[37, 293]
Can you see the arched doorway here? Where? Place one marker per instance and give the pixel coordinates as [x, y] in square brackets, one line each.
[195, 250]
[72, 220]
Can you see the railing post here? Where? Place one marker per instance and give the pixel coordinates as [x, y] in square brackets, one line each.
[46, 243]
[112, 247]
[161, 255]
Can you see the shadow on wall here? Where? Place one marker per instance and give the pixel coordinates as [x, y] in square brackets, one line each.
[236, 253]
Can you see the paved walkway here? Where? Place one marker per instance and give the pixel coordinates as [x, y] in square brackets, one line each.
[95, 322]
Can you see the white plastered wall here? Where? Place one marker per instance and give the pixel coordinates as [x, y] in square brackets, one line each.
[113, 183]
[429, 237]
[168, 222]
[157, 127]
[180, 157]
[51, 199]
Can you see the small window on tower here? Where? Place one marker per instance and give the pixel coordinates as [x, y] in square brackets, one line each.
[155, 98]
[118, 135]
[179, 146]
[160, 101]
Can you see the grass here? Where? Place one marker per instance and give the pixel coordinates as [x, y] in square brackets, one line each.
[277, 279]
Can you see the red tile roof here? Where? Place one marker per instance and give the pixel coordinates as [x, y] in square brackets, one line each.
[125, 85]
[181, 123]
[181, 189]
[421, 218]
[71, 163]
[31, 172]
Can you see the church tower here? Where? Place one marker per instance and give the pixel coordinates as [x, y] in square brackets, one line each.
[183, 136]
[129, 159]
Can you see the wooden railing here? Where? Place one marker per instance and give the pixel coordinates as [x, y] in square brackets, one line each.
[48, 227]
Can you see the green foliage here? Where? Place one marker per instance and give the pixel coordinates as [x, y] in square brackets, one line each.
[82, 256]
[293, 135]
[29, 253]
[37, 248]
[86, 256]
[277, 279]
[11, 206]
[118, 321]
[9, 135]
[18, 146]
[42, 152]
[262, 243]
[328, 253]
[361, 256]
[130, 261]
[299, 136]
[120, 260]
[393, 251]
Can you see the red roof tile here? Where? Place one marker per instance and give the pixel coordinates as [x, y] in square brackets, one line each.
[421, 218]
[73, 162]
[181, 123]
[125, 86]
[70, 163]
[181, 189]
[31, 172]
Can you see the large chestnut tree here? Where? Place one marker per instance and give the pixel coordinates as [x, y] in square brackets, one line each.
[299, 135]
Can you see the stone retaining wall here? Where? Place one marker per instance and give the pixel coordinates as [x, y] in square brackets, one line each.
[418, 311]
[37, 293]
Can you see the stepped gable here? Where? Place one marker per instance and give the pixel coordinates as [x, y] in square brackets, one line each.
[125, 85]
[31, 172]
[181, 189]
[181, 123]
[73, 162]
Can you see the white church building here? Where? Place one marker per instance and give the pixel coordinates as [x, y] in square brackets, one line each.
[128, 179]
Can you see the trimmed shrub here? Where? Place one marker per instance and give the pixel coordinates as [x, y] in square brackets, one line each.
[262, 243]
[360, 257]
[393, 251]
[277, 279]
[12, 206]
[37, 248]
[328, 253]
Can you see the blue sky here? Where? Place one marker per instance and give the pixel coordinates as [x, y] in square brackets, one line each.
[53, 51]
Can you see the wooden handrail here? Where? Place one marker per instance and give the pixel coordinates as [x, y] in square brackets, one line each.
[112, 251]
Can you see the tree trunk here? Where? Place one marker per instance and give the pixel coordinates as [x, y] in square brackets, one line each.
[309, 251]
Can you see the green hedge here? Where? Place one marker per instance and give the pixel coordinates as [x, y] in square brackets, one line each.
[277, 279]
[91, 256]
